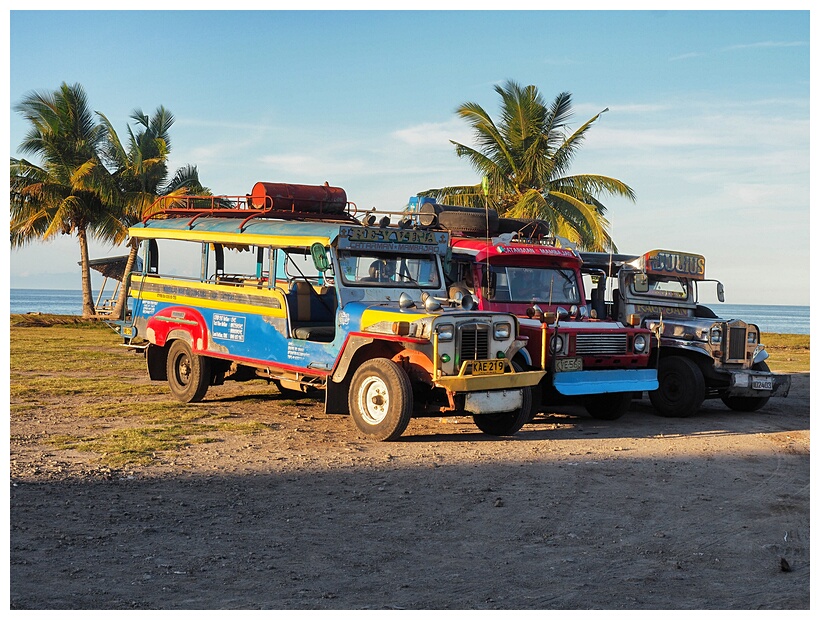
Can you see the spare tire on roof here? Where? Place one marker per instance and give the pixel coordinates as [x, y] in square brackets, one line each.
[460, 219]
[527, 227]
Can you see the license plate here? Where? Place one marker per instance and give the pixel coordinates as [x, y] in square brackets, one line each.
[488, 367]
[569, 364]
[762, 383]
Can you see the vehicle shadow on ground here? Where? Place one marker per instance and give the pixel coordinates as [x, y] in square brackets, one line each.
[573, 422]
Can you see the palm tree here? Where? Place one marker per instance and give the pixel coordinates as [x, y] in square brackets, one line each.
[141, 173]
[525, 159]
[71, 191]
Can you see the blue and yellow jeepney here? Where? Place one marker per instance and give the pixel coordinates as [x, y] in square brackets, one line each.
[288, 285]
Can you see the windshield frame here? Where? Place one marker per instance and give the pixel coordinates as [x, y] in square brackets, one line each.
[557, 277]
[358, 262]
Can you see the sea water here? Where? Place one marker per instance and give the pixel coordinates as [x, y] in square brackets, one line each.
[775, 319]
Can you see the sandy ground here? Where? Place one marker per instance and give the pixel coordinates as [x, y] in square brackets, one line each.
[710, 512]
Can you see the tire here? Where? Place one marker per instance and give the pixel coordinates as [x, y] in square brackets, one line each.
[188, 375]
[461, 219]
[747, 403]
[507, 423]
[381, 399]
[681, 389]
[530, 227]
[609, 406]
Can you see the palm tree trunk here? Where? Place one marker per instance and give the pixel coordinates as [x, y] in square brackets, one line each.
[88, 300]
[119, 309]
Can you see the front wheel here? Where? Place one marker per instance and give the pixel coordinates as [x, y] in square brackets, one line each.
[508, 423]
[681, 387]
[188, 375]
[381, 399]
[608, 406]
[747, 403]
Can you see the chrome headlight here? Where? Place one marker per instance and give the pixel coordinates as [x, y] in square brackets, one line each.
[502, 331]
[557, 344]
[716, 335]
[640, 343]
[445, 332]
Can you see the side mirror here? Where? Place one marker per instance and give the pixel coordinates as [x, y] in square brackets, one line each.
[721, 296]
[317, 251]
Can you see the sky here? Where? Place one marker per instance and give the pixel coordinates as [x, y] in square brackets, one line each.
[707, 121]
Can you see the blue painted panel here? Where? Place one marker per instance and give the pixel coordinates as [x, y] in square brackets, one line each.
[605, 381]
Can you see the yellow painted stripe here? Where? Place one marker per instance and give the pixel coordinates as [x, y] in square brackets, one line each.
[224, 237]
[372, 316]
[216, 304]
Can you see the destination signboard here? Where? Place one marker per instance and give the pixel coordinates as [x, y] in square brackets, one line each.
[671, 263]
[393, 240]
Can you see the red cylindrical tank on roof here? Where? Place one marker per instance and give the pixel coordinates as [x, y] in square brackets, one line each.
[298, 198]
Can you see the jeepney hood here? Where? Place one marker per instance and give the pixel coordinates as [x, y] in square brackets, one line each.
[573, 325]
[686, 329]
[384, 317]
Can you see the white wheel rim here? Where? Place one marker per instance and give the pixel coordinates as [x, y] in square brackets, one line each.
[374, 400]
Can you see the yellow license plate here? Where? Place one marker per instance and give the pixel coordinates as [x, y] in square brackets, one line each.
[488, 367]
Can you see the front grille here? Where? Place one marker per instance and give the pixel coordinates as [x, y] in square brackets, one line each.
[737, 343]
[600, 344]
[474, 342]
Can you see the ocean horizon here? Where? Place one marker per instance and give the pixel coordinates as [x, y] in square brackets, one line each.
[769, 318]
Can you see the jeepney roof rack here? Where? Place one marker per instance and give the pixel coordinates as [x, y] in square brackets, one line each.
[279, 201]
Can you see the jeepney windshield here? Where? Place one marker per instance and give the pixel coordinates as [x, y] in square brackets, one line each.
[529, 284]
[659, 287]
[389, 270]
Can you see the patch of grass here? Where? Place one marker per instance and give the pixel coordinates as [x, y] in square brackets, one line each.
[141, 446]
[44, 388]
[788, 352]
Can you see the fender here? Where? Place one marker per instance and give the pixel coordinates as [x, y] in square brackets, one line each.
[760, 356]
[178, 322]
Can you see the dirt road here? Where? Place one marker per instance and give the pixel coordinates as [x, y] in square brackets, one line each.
[708, 512]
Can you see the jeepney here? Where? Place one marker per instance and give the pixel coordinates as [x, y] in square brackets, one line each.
[288, 285]
[699, 354]
[511, 265]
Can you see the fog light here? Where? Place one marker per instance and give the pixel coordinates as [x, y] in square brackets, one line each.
[500, 355]
[445, 358]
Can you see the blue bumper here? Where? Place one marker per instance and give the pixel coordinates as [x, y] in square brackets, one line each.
[584, 382]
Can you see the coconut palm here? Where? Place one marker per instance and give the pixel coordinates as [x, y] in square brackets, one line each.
[70, 191]
[525, 159]
[141, 172]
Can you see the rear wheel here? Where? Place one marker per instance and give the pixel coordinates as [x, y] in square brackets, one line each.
[188, 374]
[608, 406]
[747, 403]
[681, 387]
[381, 399]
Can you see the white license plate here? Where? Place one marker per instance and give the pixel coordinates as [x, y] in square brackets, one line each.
[569, 364]
[762, 383]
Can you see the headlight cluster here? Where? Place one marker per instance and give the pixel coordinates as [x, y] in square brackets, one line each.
[556, 344]
[716, 335]
[502, 331]
[751, 337]
[639, 343]
[445, 332]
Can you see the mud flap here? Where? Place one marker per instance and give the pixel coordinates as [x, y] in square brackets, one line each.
[585, 382]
